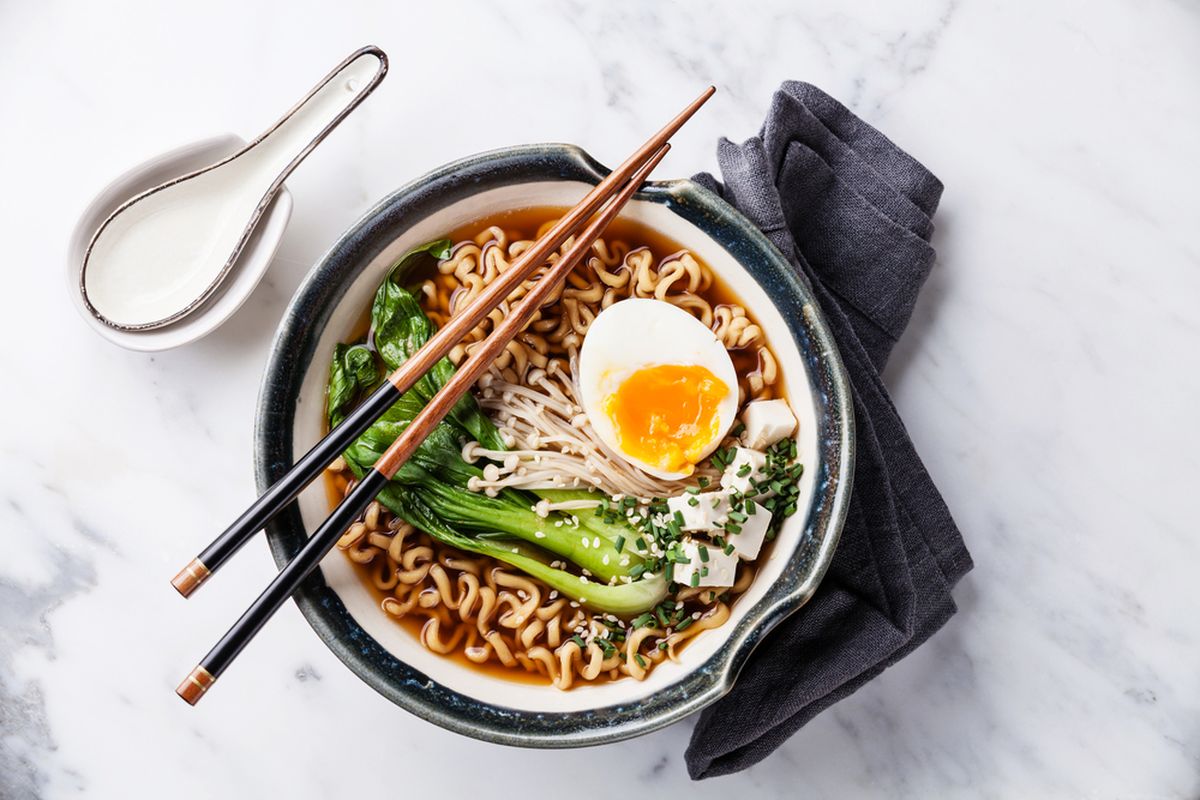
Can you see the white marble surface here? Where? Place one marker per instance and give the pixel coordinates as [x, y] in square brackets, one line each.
[1049, 379]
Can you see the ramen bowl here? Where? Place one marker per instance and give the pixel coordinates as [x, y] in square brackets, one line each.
[346, 613]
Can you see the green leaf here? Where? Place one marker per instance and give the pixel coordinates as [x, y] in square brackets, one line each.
[440, 454]
[352, 373]
[399, 328]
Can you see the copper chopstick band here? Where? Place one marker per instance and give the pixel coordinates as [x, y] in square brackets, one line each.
[190, 577]
[195, 685]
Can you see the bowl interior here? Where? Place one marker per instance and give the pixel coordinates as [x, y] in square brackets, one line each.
[363, 605]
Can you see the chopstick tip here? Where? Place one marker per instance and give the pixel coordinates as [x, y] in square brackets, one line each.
[195, 685]
[190, 577]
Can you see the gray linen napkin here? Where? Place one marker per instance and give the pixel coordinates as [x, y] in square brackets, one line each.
[852, 212]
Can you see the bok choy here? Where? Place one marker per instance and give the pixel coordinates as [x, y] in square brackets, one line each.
[432, 492]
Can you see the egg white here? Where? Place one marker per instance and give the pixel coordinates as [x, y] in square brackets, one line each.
[637, 333]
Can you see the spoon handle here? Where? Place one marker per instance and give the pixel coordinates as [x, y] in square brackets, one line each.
[288, 141]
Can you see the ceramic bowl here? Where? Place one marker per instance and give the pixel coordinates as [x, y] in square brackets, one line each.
[345, 614]
[246, 273]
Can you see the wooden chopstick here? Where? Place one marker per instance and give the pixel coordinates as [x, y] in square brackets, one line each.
[312, 463]
[290, 577]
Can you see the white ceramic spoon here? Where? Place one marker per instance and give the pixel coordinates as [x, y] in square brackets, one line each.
[160, 255]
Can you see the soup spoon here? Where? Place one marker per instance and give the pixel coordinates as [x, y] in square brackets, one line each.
[164, 252]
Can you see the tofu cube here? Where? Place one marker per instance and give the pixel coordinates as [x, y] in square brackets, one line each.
[767, 421]
[749, 540]
[747, 464]
[718, 570]
[708, 513]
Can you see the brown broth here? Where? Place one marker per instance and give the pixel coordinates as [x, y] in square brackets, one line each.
[523, 224]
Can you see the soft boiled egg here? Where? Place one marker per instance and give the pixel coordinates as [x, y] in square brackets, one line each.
[657, 385]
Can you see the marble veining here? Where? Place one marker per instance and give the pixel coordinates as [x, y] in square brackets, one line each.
[1047, 379]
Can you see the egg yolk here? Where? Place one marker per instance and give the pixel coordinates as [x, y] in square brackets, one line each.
[666, 415]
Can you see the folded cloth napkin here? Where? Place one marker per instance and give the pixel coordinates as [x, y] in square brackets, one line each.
[852, 212]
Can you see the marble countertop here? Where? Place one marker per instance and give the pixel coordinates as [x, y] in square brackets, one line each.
[1048, 379]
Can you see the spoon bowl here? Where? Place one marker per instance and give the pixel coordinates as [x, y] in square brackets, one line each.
[245, 275]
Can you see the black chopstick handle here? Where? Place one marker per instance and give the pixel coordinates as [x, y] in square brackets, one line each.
[282, 587]
[282, 492]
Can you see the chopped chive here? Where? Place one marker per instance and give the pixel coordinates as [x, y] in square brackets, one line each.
[695, 581]
[750, 508]
[728, 549]
[743, 470]
[732, 528]
[789, 509]
[684, 624]
[737, 516]
[693, 501]
[637, 570]
[640, 542]
[716, 502]
[619, 544]
[703, 553]
[577, 639]
[703, 481]
[640, 661]
[704, 572]
[662, 645]
[693, 490]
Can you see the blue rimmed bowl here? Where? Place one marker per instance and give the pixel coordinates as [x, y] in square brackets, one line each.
[346, 614]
